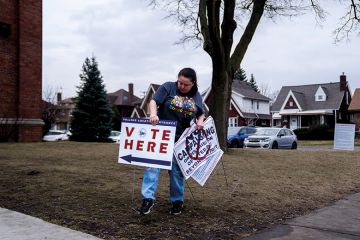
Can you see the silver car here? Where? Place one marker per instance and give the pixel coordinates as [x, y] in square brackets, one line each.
[272, 138]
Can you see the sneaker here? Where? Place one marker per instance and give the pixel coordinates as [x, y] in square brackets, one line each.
[146, 206]
[177, 207]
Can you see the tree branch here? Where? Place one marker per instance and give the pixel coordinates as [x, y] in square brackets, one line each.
[213, 12]
[350, 22]
[208, 47]
[228, 26]
[240, 50]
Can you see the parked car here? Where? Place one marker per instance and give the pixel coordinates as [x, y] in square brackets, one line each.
[236, 136]
[115, 136]
[55, 135]
[272, 138]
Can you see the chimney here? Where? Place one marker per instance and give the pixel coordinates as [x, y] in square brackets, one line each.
[131, 91]
[59, 97]
[343, 83]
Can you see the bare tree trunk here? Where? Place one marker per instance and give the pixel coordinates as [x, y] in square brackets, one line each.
[220, 99]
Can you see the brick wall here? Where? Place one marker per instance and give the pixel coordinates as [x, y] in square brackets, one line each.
[8, 60]
[21, 65]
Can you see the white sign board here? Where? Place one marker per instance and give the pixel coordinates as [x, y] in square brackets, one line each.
[146, 145]
[344, 136]
[195, 148]
[203, 173]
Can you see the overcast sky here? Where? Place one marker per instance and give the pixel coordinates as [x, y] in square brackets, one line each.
[133, 43]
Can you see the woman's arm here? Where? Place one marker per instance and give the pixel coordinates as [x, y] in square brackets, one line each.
[154, 119]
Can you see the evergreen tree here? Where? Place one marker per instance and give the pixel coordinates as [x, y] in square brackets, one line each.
[253, 84]
[116, 121]
[240, 75]
[92, 116]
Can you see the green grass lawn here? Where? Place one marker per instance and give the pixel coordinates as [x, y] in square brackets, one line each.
[81, 186]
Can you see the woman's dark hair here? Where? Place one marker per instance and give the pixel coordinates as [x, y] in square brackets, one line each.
[191, 74]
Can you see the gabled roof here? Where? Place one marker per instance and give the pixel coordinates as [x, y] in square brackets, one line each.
[138, 112]
[241, 88]
[138, 102]
[305, 94]
[152, 89]
[300, 98]
[355, 101]
[122, 97]
[247, 91]
[155, 86]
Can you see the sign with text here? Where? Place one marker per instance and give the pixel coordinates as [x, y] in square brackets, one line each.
[144, 144]
[195, 147]
[203, 173]
[344, 136]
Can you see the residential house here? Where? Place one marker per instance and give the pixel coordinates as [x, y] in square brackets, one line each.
[125, 101]
[247, 107]
[354, 108]
[315, 104]
[63, 114]
[142, 110]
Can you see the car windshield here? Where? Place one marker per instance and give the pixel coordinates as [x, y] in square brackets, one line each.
[54, 133]
[114, 134]
[266, 131]
[233, 130]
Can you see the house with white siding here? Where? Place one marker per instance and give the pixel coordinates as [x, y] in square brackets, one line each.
[247, 107]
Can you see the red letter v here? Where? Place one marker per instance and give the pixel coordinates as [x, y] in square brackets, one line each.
[128, 133]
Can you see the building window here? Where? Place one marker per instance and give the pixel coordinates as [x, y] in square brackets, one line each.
[257, 105]
[252, 104]
[320, 97]
[291, 103]
[233, 122]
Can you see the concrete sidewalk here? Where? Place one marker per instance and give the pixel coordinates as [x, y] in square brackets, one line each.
[18, 226]
[339, 221]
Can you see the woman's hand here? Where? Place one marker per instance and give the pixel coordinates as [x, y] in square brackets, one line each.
[154, 119]
[200, 123]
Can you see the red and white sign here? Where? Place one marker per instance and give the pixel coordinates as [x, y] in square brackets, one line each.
[146, 145]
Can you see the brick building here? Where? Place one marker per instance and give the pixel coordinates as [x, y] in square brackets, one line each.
[20, 69]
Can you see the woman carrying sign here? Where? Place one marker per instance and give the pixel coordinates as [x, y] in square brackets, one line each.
[182, 102]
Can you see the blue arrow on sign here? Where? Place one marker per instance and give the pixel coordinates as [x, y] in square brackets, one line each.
[130, 158]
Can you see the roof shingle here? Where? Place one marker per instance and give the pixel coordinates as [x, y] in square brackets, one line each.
[355, 101]
[246, 90]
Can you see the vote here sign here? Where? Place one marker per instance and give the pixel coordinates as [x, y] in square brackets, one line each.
[146, 145]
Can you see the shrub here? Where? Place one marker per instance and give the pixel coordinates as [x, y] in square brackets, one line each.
[316, 132]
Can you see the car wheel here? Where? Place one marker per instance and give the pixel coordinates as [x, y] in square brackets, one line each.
[274, 145]
[234, 144]
[294, 145]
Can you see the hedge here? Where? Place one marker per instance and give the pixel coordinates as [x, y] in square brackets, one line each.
[316, 132]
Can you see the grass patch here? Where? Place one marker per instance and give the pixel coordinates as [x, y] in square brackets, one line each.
[81, 186]
[309, 143]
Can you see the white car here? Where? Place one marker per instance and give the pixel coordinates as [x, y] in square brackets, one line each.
[272, 138]
[115, 136]
[55, 135]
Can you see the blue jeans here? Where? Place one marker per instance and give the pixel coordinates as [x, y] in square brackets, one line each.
[151, 181]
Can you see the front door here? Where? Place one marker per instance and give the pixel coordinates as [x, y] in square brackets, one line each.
[293, 122]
